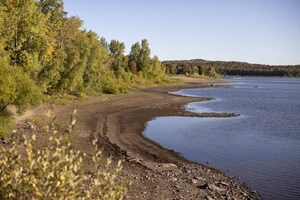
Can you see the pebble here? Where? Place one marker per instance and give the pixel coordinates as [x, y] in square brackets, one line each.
[169, 165]
[200, 178]
[204, 186]
[224, 183]
[209, 198]
[215, 188]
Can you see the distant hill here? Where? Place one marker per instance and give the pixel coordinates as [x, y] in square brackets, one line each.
[230, 68]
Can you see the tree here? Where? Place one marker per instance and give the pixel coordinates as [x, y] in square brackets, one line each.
[117, 50]
[17, 88]
[26, 35]
[144, 56]
[97, 62]
[104, 43]
[75, 45]
[134, 57]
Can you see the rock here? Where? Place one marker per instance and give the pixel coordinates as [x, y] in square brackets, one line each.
[204, 186]
[194, 181]
[224, 183]
[209, 198]
[138, 160]
[169, 165]
[244, 194]
[215, 188]
[200, 178]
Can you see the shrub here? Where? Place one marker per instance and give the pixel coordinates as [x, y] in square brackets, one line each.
[56, 172]
[114, 88]
[17, 88]
[7, 122]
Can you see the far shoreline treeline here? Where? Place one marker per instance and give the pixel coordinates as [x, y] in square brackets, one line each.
[231, 68]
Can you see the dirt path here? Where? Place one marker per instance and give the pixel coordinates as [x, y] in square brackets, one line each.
[117, 121]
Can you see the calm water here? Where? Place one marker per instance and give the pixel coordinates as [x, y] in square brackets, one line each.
[262, 146]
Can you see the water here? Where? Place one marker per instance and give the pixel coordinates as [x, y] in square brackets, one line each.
[262, 145]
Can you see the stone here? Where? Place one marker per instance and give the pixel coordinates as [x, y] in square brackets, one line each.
[204, 186]
[169, 165]
[224, 183]
[200, 178]
[215, 188]
[209, 198]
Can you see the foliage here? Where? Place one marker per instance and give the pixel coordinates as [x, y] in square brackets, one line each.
[26, 35]
[6, 123]
[49, 49]
[56, 172]
[119, 61]
[17, 88]
[112, 85]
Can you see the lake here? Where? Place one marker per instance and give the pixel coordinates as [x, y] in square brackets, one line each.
[261, 146]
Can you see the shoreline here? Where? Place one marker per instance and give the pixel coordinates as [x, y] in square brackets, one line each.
[118, 122]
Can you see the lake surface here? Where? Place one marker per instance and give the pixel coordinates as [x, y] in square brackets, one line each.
[261, 146]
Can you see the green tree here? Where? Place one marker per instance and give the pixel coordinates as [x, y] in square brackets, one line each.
[75, 45]
[104, 43]
[53, 67]
[144, 56]
[195, 69]
[26, 34]
[154, 70]
[134, 57]
[97, 63]
[117, 49]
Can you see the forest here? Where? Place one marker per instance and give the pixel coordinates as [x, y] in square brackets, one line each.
[204, 67]
[44, 52]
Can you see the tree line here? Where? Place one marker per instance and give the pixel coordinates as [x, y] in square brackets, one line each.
[42, 51]
[230, 68]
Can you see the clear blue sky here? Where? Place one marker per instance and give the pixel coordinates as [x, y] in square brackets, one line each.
[255, 31]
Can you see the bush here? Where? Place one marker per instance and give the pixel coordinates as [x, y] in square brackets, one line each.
[17, 88]
[7, 122]
[55, 172]
[114, 88]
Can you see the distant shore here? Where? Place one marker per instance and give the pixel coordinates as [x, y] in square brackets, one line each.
[118, 121]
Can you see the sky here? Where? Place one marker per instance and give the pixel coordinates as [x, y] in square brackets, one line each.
[254, 31]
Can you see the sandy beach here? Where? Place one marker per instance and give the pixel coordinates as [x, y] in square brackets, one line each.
[118, 121]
